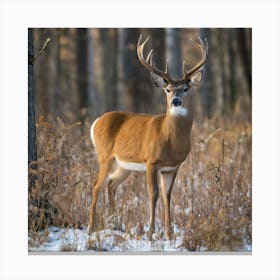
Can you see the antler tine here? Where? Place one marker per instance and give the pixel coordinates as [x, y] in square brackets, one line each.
[166, 66]
[139, 40]
[149, 57]
[184, 63]
[204, 50]
[144, 43]
[147, 63]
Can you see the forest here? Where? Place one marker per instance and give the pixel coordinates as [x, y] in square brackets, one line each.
[77, 74]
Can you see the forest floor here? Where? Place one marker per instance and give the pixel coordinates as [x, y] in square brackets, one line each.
[77, 240]
[211, 200]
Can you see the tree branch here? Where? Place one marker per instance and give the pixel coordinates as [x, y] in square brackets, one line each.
[48, 40]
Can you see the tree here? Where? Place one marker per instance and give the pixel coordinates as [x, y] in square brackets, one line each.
[85, 73]
[245, 48]
[82, 66]
[108, 40]
[129, 38]
[32, 148]
[158, 44]
[173, 50]
[206, 85]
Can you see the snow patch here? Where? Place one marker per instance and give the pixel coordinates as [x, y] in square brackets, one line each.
[77, 240]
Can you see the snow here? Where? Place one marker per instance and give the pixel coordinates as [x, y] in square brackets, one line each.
[77, 240]
[105, 240]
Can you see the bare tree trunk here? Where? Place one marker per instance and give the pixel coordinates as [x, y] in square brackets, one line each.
[232, 55]
[32, 147]
[130, 69]
[244, 44]
[174, 53]
[92, 99]
[217, 79]
[82, 70]
[120, 73]
[206, 89]
[225, 65]
[108, 39]
[54, 75]
[158, 44]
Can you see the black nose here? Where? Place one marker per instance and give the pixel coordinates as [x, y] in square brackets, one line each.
[176, 102]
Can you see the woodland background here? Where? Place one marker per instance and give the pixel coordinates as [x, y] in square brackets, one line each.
[98, 70]
[82, 73]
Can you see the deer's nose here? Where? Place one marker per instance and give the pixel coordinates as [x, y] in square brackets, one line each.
[176, 102]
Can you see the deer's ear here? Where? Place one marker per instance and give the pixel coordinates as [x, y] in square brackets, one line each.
[195, 79]
[158, 80]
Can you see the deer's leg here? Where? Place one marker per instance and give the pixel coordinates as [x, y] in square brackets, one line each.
[151, 175]
[103, 172]
[118, 176]
[166, 184]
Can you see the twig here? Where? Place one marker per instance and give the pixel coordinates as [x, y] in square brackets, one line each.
[42, 49]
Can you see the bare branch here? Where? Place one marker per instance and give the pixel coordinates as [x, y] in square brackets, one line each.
[44, 47]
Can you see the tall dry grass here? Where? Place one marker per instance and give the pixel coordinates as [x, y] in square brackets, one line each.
[211, 199]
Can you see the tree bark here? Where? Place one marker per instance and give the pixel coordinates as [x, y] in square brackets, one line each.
[244, 44]
[174, 53]
[108, 39]
[82, 69]
[32, 147]
[129, 67]
[206, 90]
[217, 78]
[92, 98]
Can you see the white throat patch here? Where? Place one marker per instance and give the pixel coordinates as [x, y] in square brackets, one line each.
[178, 111]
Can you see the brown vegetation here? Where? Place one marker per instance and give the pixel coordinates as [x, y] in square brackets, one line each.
[211, 199]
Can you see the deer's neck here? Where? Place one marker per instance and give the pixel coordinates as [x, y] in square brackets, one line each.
[178, 127]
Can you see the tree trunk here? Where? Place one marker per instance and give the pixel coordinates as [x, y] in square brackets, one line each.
[217, 78]
[82, 70]
[130, 69]
[206, 90]
[173, 50]
[158, 44]
[32, 147]
[108, 40]
[232, 55]
[244, 44]
[92, 99]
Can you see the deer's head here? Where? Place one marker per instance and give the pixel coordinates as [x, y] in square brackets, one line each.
[177, 91]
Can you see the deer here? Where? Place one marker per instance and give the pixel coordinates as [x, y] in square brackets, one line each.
[154, 144]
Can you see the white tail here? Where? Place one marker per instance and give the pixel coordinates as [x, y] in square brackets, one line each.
[156, 144]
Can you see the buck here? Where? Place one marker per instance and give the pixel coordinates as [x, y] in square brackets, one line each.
[155, 144]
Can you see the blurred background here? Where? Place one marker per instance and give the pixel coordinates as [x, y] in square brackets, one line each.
[86, 72]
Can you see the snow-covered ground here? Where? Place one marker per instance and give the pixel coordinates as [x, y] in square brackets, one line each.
[77, 240]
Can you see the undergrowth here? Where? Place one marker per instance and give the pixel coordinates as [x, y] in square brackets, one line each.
[211, 199]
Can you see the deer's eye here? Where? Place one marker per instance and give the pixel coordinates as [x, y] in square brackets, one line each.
[167, 90]
[186, 89]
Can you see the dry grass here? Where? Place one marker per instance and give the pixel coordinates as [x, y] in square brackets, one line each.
[211, 198]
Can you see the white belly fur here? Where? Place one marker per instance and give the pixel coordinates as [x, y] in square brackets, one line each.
[135, 166]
